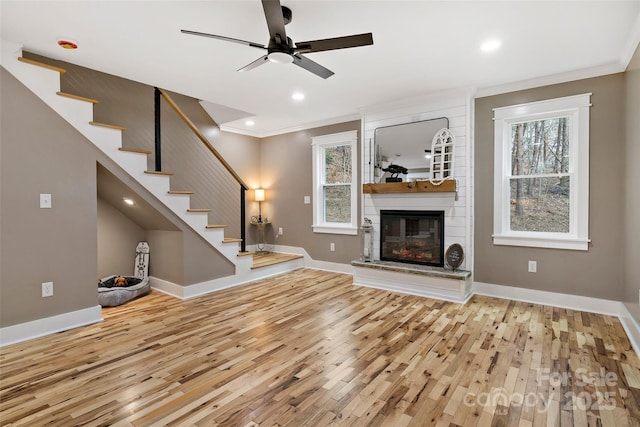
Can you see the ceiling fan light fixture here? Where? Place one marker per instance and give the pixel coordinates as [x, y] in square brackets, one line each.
[280, 58]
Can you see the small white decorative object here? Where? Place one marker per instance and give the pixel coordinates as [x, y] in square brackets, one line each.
[141, 268]
[442, 156]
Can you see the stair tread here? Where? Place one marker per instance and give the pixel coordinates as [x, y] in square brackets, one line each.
[246, 253]
[77, 97]
[159, 173]
[267, 259]
[106, 125]
[198, 210]
[135, 150]
[41, 64]
[210, 226]
[231, 240]
[180, 192]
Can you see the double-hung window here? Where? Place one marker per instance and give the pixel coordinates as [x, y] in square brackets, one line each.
[541, 182]
[335, 183]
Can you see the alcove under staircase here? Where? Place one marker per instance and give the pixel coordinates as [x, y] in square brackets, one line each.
[44, 81]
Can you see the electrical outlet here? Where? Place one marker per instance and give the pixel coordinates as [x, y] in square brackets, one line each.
[47, 289]
[533, 266]
[332, 247]
[280, 231]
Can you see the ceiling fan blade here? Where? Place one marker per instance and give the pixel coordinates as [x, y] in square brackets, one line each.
[312, 66]
[335, 43]
[228, 39]
[255, 63]
[275, 20]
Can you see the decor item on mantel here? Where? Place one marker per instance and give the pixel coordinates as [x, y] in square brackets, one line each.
[442, 156]
[366, 236]
[395, 170]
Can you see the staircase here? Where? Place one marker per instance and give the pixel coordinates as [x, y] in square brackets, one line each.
[44, 81]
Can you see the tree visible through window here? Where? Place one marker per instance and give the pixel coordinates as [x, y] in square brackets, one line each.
[334, 183]
[540, 182]
[337, 184]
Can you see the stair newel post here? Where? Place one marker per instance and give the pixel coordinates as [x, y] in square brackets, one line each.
[158, 142]
[243, 227]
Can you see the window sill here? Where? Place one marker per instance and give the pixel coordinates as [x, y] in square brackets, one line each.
[335, 229]
[542, 242]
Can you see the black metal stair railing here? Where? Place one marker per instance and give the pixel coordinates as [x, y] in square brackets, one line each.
[160, 93]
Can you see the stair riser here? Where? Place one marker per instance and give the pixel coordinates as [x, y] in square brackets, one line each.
[176, 203]
[156, 184]
[38, 79]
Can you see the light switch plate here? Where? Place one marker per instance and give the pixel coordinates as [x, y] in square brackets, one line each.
[45, 201]
[307, 200]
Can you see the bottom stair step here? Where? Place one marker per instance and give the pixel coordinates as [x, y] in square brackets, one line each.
[270, 258]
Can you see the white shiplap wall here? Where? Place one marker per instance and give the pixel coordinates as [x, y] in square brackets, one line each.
[456, 106]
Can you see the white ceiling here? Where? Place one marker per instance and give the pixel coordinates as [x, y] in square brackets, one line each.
[419, 47]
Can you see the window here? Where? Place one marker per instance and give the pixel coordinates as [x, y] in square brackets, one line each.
[334, 183]
[541, 181]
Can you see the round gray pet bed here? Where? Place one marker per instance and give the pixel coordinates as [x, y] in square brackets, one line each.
[110, 295]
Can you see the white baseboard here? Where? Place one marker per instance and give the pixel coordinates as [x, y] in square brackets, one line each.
[309, 262]
[631, 327]
[573, 302]
[49, 325]
[167, 287]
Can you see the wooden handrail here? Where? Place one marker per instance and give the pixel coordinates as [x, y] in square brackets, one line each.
[202, 138]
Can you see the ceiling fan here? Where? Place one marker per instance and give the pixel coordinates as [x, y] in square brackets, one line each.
[281, 49]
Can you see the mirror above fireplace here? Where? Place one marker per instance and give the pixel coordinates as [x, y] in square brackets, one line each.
[405, 144]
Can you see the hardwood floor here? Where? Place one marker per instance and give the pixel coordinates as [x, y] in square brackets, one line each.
[309, 349]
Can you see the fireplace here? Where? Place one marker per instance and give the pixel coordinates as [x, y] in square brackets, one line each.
[415, 237]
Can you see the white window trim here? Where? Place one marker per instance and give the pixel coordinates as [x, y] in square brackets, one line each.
[577, 108]
[318, 144]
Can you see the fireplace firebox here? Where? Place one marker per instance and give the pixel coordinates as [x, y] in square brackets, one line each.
[415, 237]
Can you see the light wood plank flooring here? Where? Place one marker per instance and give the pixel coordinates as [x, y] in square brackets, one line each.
[308, 348]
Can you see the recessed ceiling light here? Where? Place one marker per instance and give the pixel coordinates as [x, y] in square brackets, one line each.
[298, 96]
[490, 45]
[128, 201]
[249, 123]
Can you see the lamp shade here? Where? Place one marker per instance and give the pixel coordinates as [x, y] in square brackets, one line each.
[259, 194]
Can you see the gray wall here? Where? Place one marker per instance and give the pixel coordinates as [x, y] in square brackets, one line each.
[632, 193]
[287, 177]
[41, 153]
[596, 272]
[118, 237]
